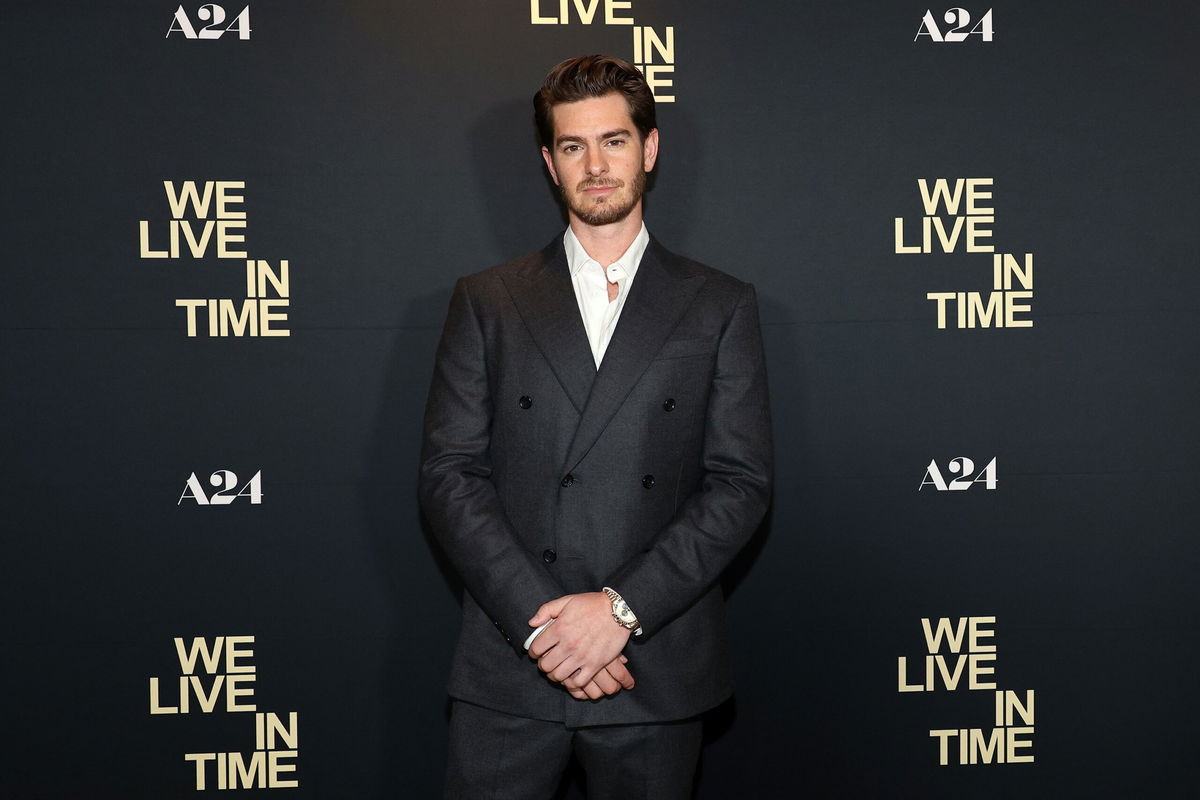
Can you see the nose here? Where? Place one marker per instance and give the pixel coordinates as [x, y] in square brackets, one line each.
[595, 163]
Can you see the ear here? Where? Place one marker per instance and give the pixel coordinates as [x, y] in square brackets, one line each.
[650, 150]
[549, 159]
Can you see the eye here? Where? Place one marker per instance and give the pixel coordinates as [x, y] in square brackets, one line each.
[571, 148]
[615, 143]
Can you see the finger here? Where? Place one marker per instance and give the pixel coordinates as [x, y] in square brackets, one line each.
[548, 611]
[606, 682]
[542, 644]
[581, 678]
[567, 673]
[578, 694]
[593, 691]
[533, 637]
[621, 674]
[552, 661]
[545, 641]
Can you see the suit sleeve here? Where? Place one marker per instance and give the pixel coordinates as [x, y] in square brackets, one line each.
[689, 554]
[457, 494]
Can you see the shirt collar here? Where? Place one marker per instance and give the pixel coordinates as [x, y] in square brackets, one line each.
[577, 257]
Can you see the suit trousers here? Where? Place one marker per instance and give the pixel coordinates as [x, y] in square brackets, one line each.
[498, 756]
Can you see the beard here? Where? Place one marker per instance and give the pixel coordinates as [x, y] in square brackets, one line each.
[610, 209]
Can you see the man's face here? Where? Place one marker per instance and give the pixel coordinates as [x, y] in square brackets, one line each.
[598, 160]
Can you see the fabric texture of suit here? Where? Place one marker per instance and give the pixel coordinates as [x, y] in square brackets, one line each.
[543, 476]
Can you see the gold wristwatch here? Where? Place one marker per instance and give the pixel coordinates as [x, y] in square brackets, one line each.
[621, 612]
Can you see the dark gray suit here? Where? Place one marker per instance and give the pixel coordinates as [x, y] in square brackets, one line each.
[542, 476]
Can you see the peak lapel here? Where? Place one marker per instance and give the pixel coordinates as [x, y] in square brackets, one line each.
[659, 296]
[545, 299]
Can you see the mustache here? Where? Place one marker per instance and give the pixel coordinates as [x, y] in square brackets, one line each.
[599, 183]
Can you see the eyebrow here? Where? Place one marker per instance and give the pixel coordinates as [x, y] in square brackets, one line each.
[606, 135]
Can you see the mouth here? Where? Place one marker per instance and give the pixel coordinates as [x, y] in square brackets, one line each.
[598, 189]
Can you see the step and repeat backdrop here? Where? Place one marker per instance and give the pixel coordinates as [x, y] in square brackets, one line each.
[231, 232]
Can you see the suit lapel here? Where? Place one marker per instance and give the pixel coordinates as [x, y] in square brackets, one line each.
[545, 299]
[661, 292]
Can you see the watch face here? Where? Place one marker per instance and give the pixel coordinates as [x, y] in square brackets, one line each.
[621, 609]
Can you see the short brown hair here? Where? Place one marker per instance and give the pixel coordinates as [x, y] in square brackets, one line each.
[593, 76]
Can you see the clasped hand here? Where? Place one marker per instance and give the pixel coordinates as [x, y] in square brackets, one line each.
[582, 649]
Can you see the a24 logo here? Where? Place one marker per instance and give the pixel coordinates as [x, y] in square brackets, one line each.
[958, 19]
[215, 16]
[964, 469]
[226, 483]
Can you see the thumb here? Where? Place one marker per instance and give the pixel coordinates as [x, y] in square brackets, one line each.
[549, 611]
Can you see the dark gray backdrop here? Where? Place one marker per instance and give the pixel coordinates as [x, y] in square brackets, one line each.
[386, 149]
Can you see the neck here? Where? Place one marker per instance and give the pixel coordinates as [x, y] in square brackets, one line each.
[607, 243]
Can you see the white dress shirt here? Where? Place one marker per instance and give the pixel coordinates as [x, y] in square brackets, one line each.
[590, 279]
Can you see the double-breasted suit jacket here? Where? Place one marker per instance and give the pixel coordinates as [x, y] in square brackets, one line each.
[543, 476]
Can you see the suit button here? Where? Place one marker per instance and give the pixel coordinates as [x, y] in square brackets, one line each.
[567, 481]
[549, 556]
[669, 404]
[648, 481]
[525, 402]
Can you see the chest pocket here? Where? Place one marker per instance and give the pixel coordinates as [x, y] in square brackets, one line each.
[686, 348]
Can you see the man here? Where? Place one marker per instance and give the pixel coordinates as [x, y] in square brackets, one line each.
[597, 448]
